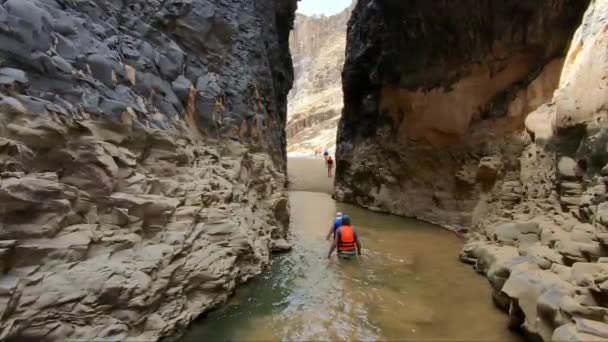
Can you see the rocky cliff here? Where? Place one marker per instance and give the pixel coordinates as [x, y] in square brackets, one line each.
[488, 117]
[142, 161]
[315, 102]
[432, 90]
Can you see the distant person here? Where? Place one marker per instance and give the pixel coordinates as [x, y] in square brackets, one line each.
[326, 154]
[346, 241]
[335, 225]
[330, 166]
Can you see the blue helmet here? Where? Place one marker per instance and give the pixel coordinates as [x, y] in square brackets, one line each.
[346, 220]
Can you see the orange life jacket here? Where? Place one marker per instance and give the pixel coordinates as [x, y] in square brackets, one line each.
[347, 239]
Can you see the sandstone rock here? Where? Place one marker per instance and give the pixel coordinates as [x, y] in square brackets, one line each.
[567, 168]
[144, 205]
[488, 169]
[583, 274]
[280, 245]
[544, 256]
[114, 216]
[602, 213]
[569, 332]
[590, 327]
[510, 233]
[525, 285]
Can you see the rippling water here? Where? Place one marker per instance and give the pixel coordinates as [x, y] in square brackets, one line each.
[408, 285]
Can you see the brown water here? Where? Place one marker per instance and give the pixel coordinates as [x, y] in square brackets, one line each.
[408, 285]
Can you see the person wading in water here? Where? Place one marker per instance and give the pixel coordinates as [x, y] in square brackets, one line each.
[330, 166]
[346, 241]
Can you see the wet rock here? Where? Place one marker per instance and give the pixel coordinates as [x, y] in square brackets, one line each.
[280, 245]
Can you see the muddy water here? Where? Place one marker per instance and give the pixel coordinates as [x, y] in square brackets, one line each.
[408, 285]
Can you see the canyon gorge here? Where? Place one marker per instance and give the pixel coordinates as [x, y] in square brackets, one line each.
[143, 168]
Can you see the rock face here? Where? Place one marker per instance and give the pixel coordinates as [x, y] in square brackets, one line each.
[494, 134]
[433, 88]
[142, 161]
[315, 102]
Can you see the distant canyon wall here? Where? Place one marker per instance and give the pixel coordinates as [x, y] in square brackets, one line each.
[315, 103]
[142, 161]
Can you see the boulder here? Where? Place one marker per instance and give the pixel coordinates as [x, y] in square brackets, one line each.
[280, 245]
[488, 169]
[511, 233]
[569, 332]
[525, 285]
[602, 214]
[567, 168]
[595, 328]
[583, 273]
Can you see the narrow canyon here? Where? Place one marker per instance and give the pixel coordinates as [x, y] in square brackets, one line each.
[146, 191]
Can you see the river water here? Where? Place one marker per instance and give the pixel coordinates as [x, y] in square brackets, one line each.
[408, 285]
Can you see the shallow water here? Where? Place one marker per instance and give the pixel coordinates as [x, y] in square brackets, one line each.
[408, 285]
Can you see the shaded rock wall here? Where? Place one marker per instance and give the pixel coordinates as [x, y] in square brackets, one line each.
[434, 89]
[315, 102]
[142, 161]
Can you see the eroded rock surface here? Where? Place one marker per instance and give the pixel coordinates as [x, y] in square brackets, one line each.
[142, 161]
[315, 102]
[497, 135]
[433, 88]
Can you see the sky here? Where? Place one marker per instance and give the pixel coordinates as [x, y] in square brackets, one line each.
[326, 7]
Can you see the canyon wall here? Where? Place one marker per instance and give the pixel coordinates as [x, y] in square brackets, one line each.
[489, 118]
[435, 91]
[317, 45]
[142, 161]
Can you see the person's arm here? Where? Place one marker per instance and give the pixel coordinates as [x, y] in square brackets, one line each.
[331, 230]
[334, 243]
[358, 243]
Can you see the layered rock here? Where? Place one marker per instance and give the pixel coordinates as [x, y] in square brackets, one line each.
[471, 135]
[142, 161]
[315, 102]
[435, 98]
